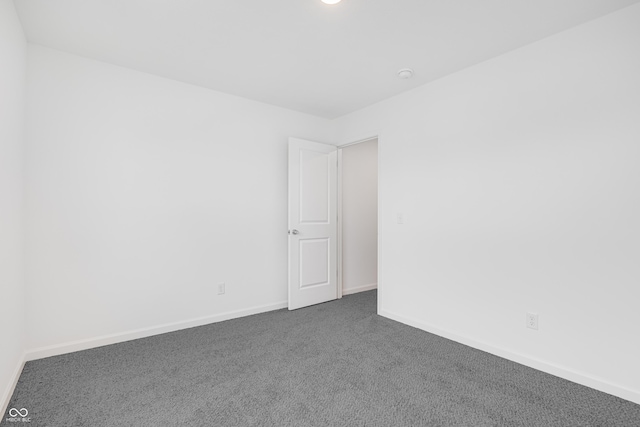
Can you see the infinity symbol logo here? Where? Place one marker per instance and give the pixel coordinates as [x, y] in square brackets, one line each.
[13, 412]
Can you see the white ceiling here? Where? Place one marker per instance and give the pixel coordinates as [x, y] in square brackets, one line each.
[301, 54]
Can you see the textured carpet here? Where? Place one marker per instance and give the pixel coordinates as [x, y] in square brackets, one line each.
[334, 364]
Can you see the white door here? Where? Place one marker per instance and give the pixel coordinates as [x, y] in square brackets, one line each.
[313, 192]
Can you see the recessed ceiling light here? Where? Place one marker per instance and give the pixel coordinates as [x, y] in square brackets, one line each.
[405, 73]
[330, 1]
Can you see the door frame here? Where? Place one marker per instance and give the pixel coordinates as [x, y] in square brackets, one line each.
[340, 215]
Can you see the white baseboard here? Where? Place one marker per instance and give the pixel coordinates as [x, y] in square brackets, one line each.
[8, 392]
[357, 289]
[70, 347]
[541, 365]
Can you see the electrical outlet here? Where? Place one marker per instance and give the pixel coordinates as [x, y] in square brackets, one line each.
[220, 288]
[532, 321]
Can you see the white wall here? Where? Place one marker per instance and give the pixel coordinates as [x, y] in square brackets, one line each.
[360, 217]
[13, 48]
[142, 194]
[521, 182]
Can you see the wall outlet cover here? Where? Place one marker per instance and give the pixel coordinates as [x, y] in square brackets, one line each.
[532, 321]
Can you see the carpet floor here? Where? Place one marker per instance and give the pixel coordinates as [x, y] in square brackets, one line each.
[333, 364]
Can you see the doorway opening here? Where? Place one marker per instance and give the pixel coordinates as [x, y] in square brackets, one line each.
[333, 221]
[358, 217]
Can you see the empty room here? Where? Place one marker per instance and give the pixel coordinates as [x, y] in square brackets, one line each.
[320, 213]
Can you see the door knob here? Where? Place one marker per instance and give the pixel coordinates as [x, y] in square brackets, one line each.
[295, 232]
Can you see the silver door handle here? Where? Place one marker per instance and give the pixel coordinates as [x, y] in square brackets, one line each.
[294, 232]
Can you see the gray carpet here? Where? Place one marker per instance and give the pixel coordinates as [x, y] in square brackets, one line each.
[334, 364]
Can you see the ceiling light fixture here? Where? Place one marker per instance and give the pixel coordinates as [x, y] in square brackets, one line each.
[330, 1]
[405, 73]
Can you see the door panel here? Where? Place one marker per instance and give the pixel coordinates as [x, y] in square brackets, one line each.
[314, 187]
[315, 257]
[312, 223]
